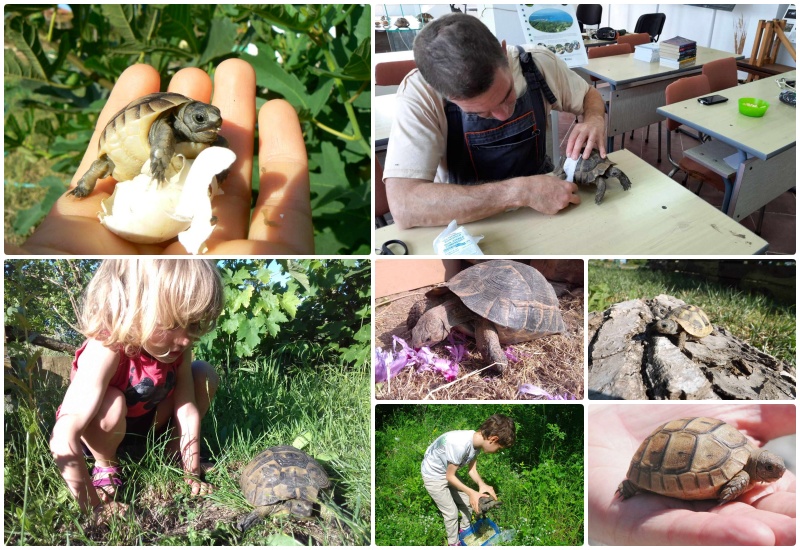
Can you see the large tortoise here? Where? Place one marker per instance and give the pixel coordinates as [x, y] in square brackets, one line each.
[281, 480]
[596, 171]
[687, 322]
[154, 127]
[499, 301]
[697, 459]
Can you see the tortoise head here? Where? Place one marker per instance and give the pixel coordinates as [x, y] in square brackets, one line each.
[429, 330]
[769, 467]
[198, 122]
[667, 326]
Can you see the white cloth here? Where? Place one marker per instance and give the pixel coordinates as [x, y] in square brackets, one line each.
[418, 139]
[449, 448]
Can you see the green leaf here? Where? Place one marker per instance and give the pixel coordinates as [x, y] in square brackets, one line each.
[242, 299]
[290, 17]
[29, 217]
[19, 61]
[282, 540]
[273, 322]
[289, 300]
[272, 75]
[120, 17]
[358, 66]
[221, 40]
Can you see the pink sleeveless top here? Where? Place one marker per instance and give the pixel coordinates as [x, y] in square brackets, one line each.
[143, 380]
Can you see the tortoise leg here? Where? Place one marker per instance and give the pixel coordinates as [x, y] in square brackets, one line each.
[251, 519]
[626, 489]
[735, 487]
[162, 148]
[222, 142]
[624, 181]
[601, 190]
[101, 168]
[489, 344]
[681, 339]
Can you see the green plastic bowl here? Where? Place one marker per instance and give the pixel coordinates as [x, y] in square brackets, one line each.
[751, 106]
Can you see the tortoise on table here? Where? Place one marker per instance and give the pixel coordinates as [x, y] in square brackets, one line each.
[281, 480]
[596, 170]
[155, 128]
[499, 301]
[687, 322]
[697, 459]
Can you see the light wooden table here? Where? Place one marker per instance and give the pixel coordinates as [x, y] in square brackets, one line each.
[767, 146]
[636, 88]
[656, 216]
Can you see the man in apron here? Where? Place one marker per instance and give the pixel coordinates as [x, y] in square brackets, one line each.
[474, 116]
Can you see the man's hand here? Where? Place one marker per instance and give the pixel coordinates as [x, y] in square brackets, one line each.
[591, 133]
[548, 194]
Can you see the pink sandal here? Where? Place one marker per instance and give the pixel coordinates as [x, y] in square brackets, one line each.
[107, 479]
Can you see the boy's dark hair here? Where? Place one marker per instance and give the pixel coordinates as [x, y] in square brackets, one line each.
[502, 427]
[458, 55]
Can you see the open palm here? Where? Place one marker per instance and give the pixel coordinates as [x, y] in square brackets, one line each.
[763, 516]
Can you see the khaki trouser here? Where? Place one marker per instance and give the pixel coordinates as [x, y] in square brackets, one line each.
[449, 501]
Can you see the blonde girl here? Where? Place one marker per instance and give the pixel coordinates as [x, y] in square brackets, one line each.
[135, 371]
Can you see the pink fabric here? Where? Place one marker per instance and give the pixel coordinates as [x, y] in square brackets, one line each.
[143, 380]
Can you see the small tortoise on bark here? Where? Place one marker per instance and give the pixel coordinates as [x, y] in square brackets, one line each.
[687, 322]
[281, 480]
[499, 301]
[698, 459]
[596, 170]
[154, 127]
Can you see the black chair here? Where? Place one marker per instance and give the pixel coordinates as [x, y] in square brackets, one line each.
[652, 24]
[589, 14]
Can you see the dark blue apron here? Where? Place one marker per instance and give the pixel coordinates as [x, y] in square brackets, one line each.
[481, 150]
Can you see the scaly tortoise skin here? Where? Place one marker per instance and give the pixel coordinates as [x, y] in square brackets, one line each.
[697, 459]
[281, 480]
[487, 503]
[687, 322]
[596, 171]
[499, 301]
[154, 127]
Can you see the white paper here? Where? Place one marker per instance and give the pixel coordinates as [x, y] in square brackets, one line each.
[569, 168]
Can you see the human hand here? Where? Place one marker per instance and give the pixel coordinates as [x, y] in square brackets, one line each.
[103, 513]
[475, 501]
[281, 221]
[487, 489]
[764, 515]
[548, 194]
[591, 132]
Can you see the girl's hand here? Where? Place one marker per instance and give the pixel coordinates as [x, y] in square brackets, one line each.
[200, 488]
[483, 488]
[103, 512]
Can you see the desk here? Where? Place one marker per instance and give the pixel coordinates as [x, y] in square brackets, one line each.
[767, 146]
[636, 88]
[656, 216]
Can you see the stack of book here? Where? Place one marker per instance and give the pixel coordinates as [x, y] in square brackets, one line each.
[677, 52]
[646, 52]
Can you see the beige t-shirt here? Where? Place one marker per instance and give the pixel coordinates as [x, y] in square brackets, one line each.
[418, 140]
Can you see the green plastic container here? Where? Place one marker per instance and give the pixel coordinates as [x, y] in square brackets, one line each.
[751, 106]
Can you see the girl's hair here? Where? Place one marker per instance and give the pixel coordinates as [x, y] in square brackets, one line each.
[127, 301]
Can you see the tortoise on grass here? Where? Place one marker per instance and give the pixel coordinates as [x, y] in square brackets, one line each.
[499, 301]
[281, 480]
[154, 127]
[687, 322]
[596, 171]
[698, 459]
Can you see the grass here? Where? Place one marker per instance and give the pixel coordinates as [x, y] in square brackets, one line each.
[539, 479]
[255, 407]
[756, 318]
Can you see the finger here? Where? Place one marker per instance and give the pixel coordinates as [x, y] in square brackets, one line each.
[235, 96]
[191, 82]
[136, 81]
[783, 527]
[587, 149]
[282, 215]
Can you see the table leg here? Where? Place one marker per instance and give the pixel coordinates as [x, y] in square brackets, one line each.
[758, 182]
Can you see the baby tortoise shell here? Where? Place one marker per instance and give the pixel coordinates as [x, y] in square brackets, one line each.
[697, 459]
[596, 171]
[281, 480]
[685, 322]
[499, 301]
[154, 127]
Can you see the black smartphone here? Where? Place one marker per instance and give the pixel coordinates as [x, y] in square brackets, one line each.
[712, 99]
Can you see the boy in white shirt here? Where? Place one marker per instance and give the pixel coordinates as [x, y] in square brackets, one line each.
[451, 451]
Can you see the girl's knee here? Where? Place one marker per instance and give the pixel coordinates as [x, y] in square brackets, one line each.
[112, 410]
[204, 374]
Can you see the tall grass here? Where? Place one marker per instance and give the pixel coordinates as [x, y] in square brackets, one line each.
[539, 479]
[255, 407]
[758, 319]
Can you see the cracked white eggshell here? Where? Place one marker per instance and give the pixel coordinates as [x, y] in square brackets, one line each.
[142, 211]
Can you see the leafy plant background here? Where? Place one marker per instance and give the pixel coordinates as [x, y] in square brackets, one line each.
[291, 348]
[317, 57]
[539, 479]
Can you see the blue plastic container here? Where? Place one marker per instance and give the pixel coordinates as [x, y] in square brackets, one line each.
[476, 527]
